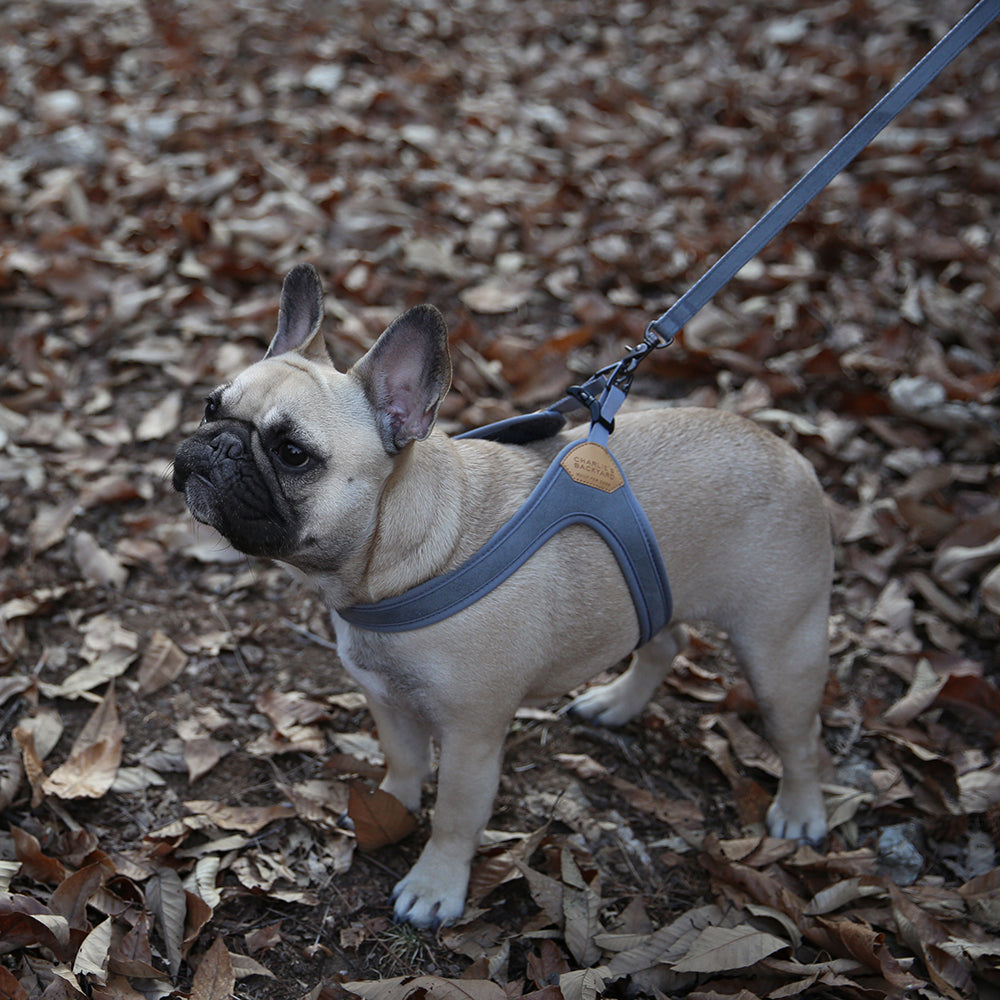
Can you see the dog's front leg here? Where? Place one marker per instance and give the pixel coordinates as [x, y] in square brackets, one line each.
[433, 893]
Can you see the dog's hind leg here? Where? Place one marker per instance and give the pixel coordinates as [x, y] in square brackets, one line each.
[626, 696]
[787, 669]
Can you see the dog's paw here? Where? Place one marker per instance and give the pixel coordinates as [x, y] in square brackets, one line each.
[806, 825]
[603, 706]
[428, 897]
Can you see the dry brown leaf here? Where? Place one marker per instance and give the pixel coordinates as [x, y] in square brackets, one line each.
[725, 949]
[10, 988]
[379, 818]
[248, 819]
[13, 685]
[51, 523]
[34, 863]
[214, 978]
[93, 762]
[973, 698]
[982, 896]
[74, 894]
[197, 915]
[582, 765]
[429, 987]
[581, 904]
[636, 952]
[91, 959]
[924, 689]
[25, 922]
[167, 902]
[109, 649]
[499, 295]
[162, 662]
[263, 939]
[244, 967]
[163, 419]
[925, 936]
[322, 802]
[97, 565]
[201, 755]
[289, 710]
[132, 956]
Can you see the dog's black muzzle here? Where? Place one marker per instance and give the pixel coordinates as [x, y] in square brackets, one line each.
[230, 484]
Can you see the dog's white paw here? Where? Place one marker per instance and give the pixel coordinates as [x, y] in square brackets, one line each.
[429, 896]
[806, 823]
[609, 705]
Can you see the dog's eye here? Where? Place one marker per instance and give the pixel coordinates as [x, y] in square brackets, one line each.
[291, 456]
[211, 407]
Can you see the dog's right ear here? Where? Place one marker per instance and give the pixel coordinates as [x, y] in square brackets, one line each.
[405, 376]
[300, 316]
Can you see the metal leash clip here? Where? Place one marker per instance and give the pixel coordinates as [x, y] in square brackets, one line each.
[618, 375]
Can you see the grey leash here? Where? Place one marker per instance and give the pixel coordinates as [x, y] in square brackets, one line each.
[661, 331]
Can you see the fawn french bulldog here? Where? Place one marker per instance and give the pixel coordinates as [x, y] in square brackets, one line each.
[344, 476]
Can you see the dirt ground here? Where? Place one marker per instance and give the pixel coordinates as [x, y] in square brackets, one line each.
[179, 745]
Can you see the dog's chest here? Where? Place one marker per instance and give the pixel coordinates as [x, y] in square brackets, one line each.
[378, 668]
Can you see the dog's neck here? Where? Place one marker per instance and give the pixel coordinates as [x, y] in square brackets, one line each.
[419, 525]
[414, 530]
[443, 500]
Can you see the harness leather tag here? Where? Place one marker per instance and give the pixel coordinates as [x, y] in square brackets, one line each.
[591, 465]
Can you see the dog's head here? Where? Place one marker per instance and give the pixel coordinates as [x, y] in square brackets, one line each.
[292, 455]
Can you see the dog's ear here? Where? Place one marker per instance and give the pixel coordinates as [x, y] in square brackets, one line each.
[406, 374]
[300, 315]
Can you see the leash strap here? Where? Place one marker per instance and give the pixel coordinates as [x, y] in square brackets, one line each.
[583, 485]
[662, 331]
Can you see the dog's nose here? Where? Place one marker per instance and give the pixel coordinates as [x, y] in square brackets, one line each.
[227, 445]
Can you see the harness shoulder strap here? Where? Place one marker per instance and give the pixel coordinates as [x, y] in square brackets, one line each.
[583, 485]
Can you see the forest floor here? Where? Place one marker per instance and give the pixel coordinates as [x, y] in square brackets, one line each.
[178, 742]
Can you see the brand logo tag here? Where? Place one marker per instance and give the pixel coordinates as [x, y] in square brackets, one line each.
[591, 465]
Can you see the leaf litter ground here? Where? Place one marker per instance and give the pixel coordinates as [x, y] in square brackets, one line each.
[179, 746]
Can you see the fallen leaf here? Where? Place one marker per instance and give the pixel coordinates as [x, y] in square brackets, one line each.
[74, 894]
[925, 935]
[249, 819]
[724, 949]
[162, 662]
[428, 987]
[214, 978]
[93, 761]
[162, 419]
[201, 755]
[10, 988]
[97, 565]
[499, 294]
[379, 818]
[33, 862]
[167, 902]
[581, 903]
[582, 765]
[92, 957]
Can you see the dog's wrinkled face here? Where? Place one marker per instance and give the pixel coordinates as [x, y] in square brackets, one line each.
[266, 468]
[292, 455]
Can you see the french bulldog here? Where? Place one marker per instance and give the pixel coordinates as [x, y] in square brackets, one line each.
[344, 476]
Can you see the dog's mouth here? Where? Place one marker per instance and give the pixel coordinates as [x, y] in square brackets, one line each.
[233, 496]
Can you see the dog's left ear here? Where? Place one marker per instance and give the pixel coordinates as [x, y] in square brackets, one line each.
[406, 374]
[300, 315]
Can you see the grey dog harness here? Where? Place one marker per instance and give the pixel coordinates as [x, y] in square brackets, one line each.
[583, 485]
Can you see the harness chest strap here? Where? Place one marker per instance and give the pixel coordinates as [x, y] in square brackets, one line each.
[583, 485]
